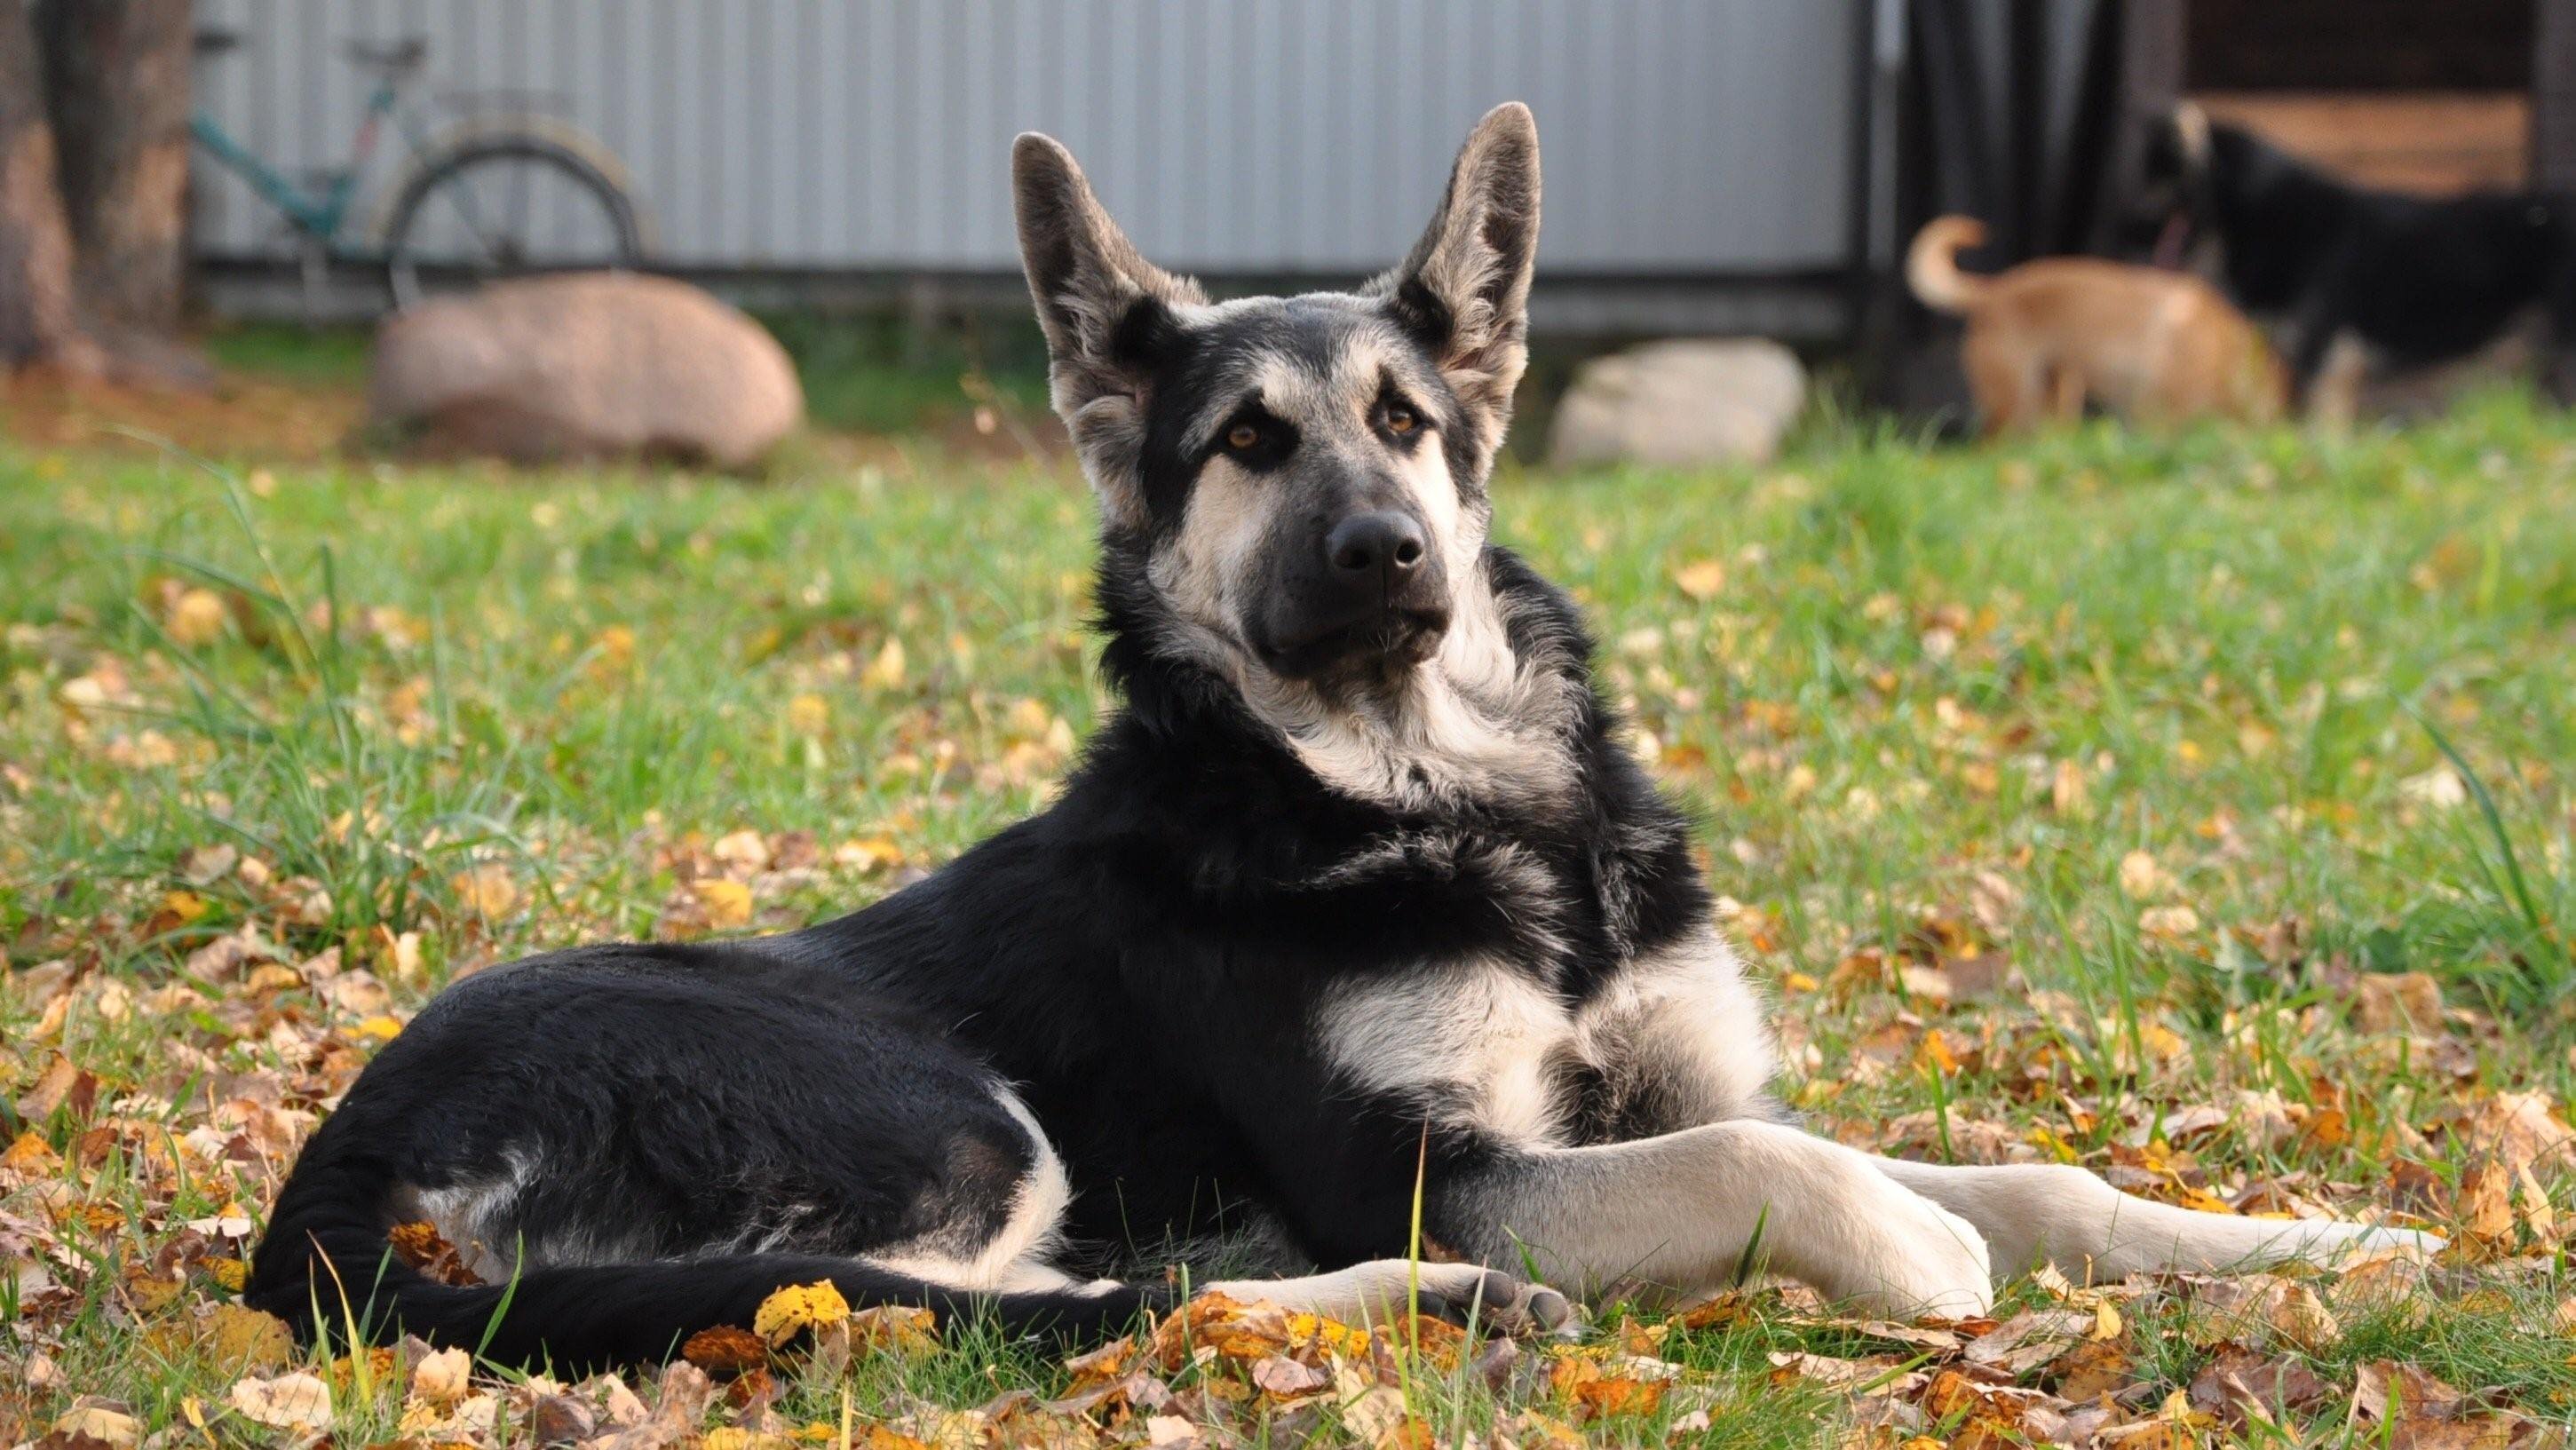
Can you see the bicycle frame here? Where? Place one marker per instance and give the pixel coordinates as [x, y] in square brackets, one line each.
[319, 213]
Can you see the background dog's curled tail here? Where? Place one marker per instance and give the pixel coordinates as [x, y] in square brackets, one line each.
[325, 1265]
[1932, 264]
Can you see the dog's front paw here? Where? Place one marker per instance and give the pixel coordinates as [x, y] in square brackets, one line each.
[1497, 1301]
[1379, 1291]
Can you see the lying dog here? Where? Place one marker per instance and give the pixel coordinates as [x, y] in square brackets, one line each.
[1359, 890]
[2049, 336]
[2394, 282]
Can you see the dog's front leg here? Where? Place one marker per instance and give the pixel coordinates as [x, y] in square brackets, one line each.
[1677, 1214]
[2047, 1213]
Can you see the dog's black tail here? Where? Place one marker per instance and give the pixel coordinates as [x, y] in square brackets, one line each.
[326, 1265]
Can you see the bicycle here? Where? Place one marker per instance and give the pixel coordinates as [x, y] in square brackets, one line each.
[502, 193]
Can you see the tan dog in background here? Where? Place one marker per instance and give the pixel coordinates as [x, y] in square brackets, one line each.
[2046, 337]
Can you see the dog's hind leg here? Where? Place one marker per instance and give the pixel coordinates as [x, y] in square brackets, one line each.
[2067, 392]
[1684, 1214]
[2334, 393]
[2558, 361]
[2003, 378]
[2052, 1213]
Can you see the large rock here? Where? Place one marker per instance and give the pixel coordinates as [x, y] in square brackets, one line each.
[586, 365]
[1681, 401]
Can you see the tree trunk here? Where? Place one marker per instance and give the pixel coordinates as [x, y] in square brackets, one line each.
[118, 73]
[39, 320]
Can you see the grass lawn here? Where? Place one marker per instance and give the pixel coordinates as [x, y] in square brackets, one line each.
[2086, 800]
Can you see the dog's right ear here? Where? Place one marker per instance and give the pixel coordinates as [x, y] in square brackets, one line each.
[1101, 305]
[2191, 136]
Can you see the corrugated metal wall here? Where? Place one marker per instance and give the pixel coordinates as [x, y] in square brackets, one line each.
[1684, 138]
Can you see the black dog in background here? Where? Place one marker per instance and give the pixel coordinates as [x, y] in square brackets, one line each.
[2418, 281]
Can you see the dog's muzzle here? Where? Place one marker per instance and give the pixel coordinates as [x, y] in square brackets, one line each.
[1372, 592]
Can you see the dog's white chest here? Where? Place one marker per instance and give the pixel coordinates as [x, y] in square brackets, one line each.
[1482, 1045]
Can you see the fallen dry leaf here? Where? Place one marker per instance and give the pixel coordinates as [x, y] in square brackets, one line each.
[288, 1402]
[196, 617]
[725, 1349]
[798, 1308]
[899, 1329]
[2397, 1002]
[485, 890]
[725, 903]
[104, 1421]
[419, 1245]
[1701, 579]
[442, 1378]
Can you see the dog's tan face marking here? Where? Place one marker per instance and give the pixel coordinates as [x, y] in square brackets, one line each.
[1299, 483]
[1340, 398]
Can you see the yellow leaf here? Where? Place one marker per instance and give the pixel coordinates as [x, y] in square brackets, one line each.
[196, 617]
[147, 1292]
[885, 672]
[799, 1307]
[30, 1156]
[2106, 1321]
[486, 890]
[616, 645]
[726, 903]
[809, 714]
[1701, 579]
[240, 1338]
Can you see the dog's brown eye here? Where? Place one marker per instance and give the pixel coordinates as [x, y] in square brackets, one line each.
[1400, 420]
[1242, 436]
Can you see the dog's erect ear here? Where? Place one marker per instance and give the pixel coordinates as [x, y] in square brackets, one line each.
[1466, 286]
[1100, 303]
[2191, 135]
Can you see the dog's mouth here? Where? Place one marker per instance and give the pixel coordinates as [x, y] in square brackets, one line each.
[1391, 640]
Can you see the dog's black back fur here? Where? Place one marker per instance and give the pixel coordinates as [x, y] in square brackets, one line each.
[2423, 280]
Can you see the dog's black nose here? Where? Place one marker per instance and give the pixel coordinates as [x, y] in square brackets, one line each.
[1386, 545]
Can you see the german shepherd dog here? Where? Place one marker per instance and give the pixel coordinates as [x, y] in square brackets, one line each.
[2362, 279]
[1358, 890]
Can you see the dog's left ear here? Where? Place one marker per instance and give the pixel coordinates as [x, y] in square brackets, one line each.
[1103, 308]
[1465, 289]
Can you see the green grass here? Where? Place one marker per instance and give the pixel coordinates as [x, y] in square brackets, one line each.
[1935, 702]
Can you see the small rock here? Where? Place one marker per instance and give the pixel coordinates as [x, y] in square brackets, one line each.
[585, 365]
[1680, 402]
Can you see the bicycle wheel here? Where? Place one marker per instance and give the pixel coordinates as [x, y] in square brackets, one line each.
[502, 207]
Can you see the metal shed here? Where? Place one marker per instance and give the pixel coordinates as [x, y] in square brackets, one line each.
[1699, 152]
